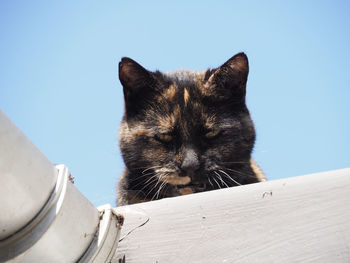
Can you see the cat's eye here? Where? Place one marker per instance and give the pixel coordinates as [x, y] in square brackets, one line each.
[164, 137]
[211, 134]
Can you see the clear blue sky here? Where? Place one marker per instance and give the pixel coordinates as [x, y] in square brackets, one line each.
[59, 81]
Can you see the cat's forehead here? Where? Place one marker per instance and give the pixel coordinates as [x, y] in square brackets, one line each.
[183, 85]
[181, 101]
[185, 76]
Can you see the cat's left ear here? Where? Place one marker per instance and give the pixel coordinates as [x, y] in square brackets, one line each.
[138, 84]
[229, 81]
[134, 78]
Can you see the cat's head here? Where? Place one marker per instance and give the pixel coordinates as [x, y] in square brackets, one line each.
[185, 131]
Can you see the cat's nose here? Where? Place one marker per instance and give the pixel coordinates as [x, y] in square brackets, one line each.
[190, 162]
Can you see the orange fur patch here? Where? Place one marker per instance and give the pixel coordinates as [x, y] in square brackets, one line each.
[170, 176]
[186, 191]
[176, 180]
[209, 121]
[166, 122]
[186, 96]
[258, 172]
[141, 133]
[170, 93]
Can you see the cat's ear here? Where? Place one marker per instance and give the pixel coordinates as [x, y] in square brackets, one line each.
[137, 83]
[134, 77]
[229, 81]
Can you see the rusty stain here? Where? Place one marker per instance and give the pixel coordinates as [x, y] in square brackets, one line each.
[266, 193]
[71, 178]
[120, 219]
[101, 214]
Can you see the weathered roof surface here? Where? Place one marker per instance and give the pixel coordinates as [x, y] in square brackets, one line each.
[299, 219]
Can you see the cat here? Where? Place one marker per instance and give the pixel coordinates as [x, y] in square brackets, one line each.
[185, 132]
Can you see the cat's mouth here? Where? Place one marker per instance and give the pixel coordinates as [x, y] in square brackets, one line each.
[176, 180]
[197, 187]
[184, 184]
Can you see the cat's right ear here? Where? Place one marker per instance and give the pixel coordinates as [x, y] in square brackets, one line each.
[229, 80]
[137, 83]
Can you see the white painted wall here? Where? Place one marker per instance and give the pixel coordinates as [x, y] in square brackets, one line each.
[300, 219]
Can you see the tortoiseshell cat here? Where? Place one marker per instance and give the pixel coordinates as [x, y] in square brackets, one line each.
[185, 132]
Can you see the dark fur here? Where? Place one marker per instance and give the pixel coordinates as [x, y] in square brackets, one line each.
[185, 132]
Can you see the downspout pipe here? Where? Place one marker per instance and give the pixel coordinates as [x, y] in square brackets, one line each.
[44, 217]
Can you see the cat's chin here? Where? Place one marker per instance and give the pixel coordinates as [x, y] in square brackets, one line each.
[191, 188]
[185, 190]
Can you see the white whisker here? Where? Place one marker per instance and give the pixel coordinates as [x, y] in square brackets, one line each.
[222, 181]
[142, 176]
[243, 162]
[236, 171]
[149, 168]
[149, 182]
[210, 181]
[145, 180]
[229, 177]
[217, 183]
[159, 190]
[160, 176]
[159, 180]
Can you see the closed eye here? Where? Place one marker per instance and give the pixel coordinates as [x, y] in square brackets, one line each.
[163, 137]
[212, 134]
